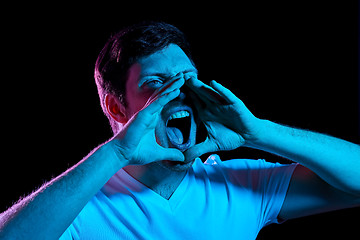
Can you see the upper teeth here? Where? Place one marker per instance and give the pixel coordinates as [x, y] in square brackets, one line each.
[179, 114]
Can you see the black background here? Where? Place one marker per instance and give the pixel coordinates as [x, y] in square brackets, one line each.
[293, 63]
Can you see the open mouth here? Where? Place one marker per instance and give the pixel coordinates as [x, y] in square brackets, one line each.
[178, 128]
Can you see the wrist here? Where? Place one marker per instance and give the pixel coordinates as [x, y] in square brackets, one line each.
[110, 150]
[259, 136]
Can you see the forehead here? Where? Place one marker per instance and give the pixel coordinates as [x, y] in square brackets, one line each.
[169, 61]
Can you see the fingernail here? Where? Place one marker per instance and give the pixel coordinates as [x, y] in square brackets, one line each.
[179, 75]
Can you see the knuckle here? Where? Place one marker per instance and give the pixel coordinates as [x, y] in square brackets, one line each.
[142, 114]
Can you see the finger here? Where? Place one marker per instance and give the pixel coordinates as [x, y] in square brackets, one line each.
[224, 92]
[207, 93]
[165, 94]
[196, 100]
[144, 119]
[147, 114]
[170, 154]
[159, 102]
[176, 82]
[198, 86]
[200, 149]
[188, 75]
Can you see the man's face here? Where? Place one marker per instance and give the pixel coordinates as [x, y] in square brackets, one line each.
[176, 126]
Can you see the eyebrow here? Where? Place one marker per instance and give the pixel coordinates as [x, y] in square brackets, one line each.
[166, 75]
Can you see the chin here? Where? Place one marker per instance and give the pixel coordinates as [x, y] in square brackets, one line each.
[176, 166]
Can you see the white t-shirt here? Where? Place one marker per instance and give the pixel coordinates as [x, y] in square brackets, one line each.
[216, 200]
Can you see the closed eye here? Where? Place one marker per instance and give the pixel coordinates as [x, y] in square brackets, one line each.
[155, 83]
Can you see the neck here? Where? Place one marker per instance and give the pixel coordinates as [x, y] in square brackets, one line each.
[157, 177]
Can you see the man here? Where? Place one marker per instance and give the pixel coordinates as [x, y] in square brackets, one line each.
[147, 182]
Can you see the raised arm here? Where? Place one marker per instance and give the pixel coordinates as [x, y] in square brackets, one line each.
[329, 175]
[334, 160]
[329, 178]
[48, 212]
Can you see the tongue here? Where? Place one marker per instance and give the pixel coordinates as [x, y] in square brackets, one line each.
[175, 135]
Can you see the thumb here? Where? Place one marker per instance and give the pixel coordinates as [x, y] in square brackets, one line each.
[200, 149]
[170, 154]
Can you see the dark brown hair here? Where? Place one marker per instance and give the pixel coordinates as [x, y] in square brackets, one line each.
[124, 48]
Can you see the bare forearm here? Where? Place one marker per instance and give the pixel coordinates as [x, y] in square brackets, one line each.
[46, 213]
[335, 160]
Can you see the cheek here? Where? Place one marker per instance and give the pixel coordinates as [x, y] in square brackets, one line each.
[136, 99]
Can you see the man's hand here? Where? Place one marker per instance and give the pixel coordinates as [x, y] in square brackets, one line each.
[228, 122]
[136, 142]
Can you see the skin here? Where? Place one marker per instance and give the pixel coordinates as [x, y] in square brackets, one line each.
[230, 125]
[146, 78]
[327, 179]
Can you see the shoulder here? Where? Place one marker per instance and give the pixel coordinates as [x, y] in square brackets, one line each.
[214, 163]
[244, 171]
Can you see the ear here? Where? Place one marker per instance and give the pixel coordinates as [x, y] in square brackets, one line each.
[115, 108]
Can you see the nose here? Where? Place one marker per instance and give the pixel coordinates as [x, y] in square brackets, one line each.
[184, 89]
[184, 92]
